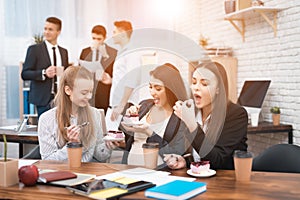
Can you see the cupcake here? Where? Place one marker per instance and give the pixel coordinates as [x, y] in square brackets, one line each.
[198, 167]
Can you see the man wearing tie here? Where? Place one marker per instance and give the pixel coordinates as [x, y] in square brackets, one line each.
[40, 66]
[101, 52]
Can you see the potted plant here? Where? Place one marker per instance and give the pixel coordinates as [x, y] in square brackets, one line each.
[275, 115]
[38, 38]
[8, 168]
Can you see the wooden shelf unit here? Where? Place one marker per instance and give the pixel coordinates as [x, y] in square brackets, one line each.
[237, 19]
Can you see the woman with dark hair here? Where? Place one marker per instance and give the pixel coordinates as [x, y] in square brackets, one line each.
[215, 126]
[160, 124]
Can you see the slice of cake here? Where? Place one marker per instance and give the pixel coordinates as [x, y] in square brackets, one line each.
[115, 134]
[198, 167]
[132, 114]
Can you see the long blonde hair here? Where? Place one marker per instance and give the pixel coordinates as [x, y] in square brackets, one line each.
[64, 106]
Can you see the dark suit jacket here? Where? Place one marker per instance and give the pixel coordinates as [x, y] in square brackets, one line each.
[233, 137]
[171, 142]
[103, 91]
[37, 59]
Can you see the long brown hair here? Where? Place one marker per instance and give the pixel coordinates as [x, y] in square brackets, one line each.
[64, 106]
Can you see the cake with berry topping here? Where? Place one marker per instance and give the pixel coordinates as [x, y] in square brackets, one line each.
[115, 134]
[132, 114]
[198, 167]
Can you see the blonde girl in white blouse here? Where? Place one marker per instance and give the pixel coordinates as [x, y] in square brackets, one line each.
[59, 125]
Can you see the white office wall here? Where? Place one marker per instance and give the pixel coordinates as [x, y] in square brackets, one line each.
[263, 56]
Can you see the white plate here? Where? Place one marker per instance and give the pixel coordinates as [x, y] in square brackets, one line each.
[109, 138]
[208, 173]
[134, 123]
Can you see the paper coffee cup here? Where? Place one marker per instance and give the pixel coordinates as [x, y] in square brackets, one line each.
[242, 165]
[74, 154]
[59, 70]
[150, 154]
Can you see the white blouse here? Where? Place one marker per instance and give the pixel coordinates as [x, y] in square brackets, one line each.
[204, 127]
[54, 148]
[136, 156]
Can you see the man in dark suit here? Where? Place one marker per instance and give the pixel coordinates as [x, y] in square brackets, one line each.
[40, 66]
[106, 55]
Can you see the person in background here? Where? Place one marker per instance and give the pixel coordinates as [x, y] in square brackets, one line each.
[40, 66]
[160, 124]
[61, 124]
[219, 126]
[99, 51]
[126, 76]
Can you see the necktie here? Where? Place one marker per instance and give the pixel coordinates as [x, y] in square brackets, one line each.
[55, 78]
[97, 55]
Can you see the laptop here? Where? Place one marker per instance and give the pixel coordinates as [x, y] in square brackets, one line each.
[253, 93]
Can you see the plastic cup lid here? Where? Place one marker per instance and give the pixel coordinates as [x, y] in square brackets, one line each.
[74, 144]
[150, 145]
[242, 154]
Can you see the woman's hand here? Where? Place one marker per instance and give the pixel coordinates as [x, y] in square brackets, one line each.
[112, 144]
[143, 128]
[186, 112]
[174, 161]
[73, 132]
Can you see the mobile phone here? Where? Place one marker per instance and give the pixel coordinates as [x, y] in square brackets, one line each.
[97, 185]
[89, 187]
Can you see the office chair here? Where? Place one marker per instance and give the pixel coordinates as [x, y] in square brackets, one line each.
[278, 158]
[34, 153]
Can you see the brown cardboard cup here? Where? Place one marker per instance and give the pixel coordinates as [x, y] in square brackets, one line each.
[150, 154]
[74, 154]
[242, 165]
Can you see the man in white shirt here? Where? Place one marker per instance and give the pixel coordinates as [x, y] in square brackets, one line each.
[126, 74]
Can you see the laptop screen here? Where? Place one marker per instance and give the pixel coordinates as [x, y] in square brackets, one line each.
[253, 93]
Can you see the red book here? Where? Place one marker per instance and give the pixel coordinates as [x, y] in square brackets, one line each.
[56, 176]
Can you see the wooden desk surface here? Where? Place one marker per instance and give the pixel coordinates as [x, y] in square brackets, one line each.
[263, 185]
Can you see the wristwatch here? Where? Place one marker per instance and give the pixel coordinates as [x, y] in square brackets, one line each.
[44, 74]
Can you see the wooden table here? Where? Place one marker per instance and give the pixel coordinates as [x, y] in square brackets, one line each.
[268, 127]
[263, 185]
[26, 137]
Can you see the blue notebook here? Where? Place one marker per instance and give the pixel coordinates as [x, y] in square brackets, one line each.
[176, 190]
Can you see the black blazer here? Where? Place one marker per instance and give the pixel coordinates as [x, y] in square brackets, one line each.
[37, 59]
[102, 92]
[233, 137]
[171, 142]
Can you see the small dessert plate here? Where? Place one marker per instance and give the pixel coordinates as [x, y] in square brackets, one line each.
[203, 174]
[109, 138]
[133, 123]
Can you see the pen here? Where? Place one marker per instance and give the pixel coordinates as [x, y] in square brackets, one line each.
[81, 125]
